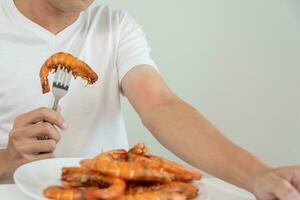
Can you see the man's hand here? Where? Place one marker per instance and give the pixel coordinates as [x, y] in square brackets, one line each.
[282, 183]
[23, 145]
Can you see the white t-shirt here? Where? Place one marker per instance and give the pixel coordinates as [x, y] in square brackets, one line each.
[111, 42]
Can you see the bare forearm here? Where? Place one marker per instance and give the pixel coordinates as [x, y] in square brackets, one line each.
[193, 138]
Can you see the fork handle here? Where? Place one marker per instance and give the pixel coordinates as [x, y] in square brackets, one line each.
[54, 107]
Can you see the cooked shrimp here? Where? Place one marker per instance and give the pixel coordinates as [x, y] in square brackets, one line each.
[79, 193]
[153, 195]
[139, 149]
[77, 66]
[62, 193]
[182, 173]
[119, 163]
[108, 187]
[185, 189]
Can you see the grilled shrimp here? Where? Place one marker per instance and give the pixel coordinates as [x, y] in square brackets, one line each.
[182, 173]
[168, 190]
[153, 195]
[119, 164]
[80, 183]
[109, 187]
[62, 193]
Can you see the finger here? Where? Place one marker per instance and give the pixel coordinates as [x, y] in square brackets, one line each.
[42, 129]
[46, 129]
[41, 146]
[284, 190]
[38, 115]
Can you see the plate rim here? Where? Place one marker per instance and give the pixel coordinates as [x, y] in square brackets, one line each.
[20, 168]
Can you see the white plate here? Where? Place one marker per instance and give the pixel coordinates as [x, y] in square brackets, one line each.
[33, 178]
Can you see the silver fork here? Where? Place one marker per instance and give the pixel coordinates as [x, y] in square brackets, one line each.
[60, 87]
[61, 84]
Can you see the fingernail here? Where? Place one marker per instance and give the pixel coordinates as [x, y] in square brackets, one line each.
[292, 196]
[64, 126]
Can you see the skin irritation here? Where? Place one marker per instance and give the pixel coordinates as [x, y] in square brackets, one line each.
[53, 15]
[146, 90]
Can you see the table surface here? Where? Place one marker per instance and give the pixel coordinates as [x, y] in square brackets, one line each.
[217, 190]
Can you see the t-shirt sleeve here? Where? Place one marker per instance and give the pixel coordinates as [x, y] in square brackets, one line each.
[132, 47]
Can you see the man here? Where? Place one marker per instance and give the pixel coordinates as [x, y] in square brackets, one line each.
[115, 46]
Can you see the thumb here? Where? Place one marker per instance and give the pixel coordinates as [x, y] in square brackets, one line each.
[284, 190]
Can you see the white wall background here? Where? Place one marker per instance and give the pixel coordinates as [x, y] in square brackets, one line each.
[236, 61]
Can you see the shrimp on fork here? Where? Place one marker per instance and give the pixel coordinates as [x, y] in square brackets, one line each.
[71, 63]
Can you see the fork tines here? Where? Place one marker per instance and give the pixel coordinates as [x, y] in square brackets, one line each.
[62, 78]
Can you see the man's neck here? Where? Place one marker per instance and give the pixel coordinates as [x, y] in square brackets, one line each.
[45, 15]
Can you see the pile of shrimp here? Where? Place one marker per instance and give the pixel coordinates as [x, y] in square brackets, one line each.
[126, 175]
